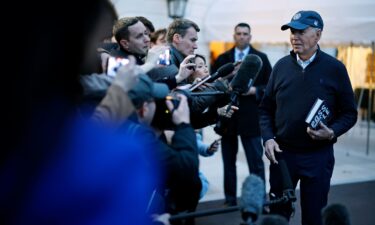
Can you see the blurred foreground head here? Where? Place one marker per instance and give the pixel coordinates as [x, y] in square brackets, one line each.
[48, 51]
[50, 48]
[56, 169]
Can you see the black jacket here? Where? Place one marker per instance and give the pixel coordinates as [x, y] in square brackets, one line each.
[246, 120]
[167, 74]
[181, 163]
[178, 163]
[203, 109]
[120, 52]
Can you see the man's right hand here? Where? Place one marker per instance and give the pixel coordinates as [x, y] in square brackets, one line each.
[223, 111]
[181, 114]
[270, 147]
[214, 146]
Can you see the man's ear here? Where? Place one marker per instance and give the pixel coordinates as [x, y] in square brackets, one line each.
[124, 43]
[143, 110]
[140, 112]
[176, 38]
[318, 35]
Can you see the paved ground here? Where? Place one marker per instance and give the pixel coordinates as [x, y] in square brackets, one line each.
[352, 164]
[359, 203]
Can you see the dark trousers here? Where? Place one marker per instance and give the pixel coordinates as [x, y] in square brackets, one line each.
[314, 171]
[253, 151]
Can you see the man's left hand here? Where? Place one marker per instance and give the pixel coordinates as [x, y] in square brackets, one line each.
[323, 133]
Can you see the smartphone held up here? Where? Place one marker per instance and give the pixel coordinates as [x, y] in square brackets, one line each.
[165, 58]
[114, 63]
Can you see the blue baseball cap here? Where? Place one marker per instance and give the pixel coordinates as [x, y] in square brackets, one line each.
[304, 19]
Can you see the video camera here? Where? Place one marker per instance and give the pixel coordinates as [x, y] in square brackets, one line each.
[163, 116]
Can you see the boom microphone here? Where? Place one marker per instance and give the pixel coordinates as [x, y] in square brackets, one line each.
[335, 213]
[247, 73]
[288, 190]
[221, 72]
[250, 204]
[251, 201]
[252, 197]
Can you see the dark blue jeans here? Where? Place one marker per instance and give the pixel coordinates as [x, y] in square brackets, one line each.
[314, 171]
[253, 150]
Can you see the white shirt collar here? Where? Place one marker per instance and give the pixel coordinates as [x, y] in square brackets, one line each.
[237, 52]
[305, 63]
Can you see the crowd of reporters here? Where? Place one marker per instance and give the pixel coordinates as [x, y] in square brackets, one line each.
[181, 184]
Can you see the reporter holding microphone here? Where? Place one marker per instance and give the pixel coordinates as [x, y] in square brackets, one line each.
[216, 105]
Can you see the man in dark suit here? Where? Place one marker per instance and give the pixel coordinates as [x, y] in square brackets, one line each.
[245, 122]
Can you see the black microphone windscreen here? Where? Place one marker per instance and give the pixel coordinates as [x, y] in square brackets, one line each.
[336, 213]
[225, 69]
[222, 71]
[252, 196]
[285, 176]
[247, 73]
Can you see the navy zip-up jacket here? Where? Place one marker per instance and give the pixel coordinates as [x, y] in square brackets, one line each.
[292, 91]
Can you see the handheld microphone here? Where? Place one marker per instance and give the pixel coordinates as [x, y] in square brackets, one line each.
[247, 74]
[241, 82]
[221, 72]
[245, 77]
[252, 198]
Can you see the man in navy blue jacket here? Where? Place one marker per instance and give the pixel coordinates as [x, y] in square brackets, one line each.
[296, 81]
